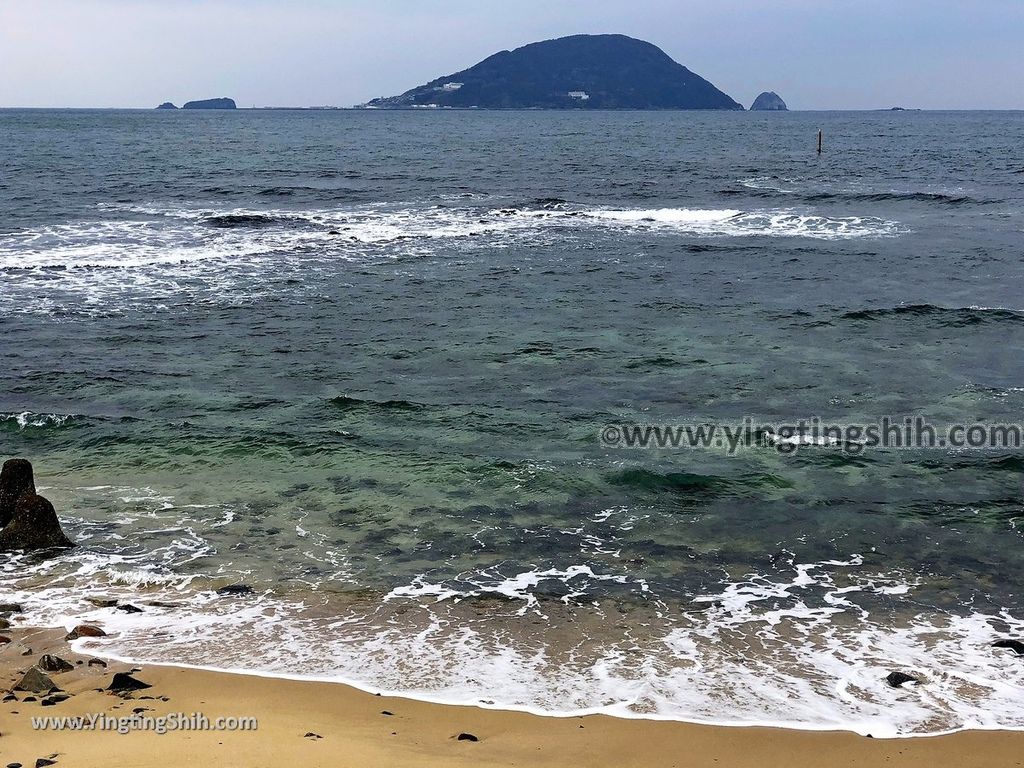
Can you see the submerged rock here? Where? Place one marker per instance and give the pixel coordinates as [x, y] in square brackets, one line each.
[36, 681]
[235, 589]
[102, 602]
[896, 679]
[15, 481]
[33, 526]
[1014, 645]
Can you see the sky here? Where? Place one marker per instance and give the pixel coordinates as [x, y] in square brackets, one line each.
[817, 54]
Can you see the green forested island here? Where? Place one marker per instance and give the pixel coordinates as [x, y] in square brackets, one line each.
[577, 72]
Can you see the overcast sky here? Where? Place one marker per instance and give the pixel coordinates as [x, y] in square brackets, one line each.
[817, 54]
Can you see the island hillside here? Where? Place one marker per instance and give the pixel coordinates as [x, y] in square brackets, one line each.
[211, 104]
[577, 72]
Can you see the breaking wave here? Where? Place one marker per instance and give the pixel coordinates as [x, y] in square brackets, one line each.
[26, 420]
[144, 255]
[947, 317]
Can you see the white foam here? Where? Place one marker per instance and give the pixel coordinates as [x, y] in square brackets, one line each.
[520, 586]
[668, 216]
[145, 256]
[767, 223]
[28, 419]
[798, 653]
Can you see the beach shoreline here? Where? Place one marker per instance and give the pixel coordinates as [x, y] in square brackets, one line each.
[331, 724]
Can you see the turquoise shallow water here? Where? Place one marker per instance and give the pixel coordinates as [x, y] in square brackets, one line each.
[361, 361]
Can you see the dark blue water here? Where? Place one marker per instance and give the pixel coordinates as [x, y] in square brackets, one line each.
[362, 360]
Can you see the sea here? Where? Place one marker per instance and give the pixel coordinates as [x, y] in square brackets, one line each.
[363, 362]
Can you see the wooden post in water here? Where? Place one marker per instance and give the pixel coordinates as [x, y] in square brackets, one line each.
[819, 141]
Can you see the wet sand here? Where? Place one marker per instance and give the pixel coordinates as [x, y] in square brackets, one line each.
[329, 724]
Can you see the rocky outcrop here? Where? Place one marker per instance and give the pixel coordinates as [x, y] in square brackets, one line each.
[15, 481]
[34, 526]
[28, 521]
[167, 105]
[769, 101]
[222, 103]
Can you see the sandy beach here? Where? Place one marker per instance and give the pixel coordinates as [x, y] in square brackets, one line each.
[328, 724]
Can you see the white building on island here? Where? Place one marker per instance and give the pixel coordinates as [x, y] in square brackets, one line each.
[579, 95]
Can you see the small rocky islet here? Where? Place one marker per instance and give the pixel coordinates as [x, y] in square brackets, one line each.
[769, 101]
[221, 103]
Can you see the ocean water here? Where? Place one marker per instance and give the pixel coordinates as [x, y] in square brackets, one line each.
[360, 361]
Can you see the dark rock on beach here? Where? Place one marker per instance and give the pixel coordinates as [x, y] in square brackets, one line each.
[36, 681]
[467, 737]
[122, 681]
[85, 630]
[15, 481]
[50, 663]
[1014, 645]
[9, 608]
[97, 663]
[896, 679]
